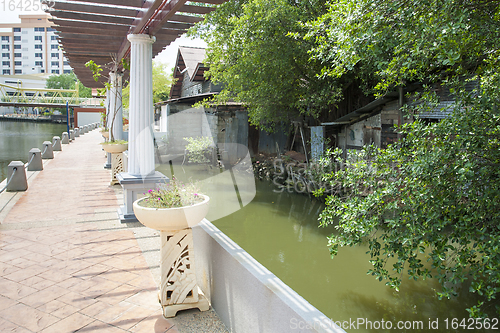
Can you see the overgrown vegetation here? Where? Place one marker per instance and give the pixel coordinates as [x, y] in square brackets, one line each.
[435, 195]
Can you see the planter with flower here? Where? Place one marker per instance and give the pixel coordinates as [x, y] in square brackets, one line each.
[174, 209]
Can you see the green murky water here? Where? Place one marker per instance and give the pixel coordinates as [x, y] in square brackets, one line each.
[280, 230]
[17, 138]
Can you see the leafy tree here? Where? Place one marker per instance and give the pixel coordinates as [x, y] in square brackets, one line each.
[68, 81]
[429, 206]
[253, 50]
[162, 81]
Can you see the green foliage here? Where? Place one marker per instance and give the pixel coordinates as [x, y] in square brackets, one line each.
[198, 149]
[172, 195]
[430, 205]
[68, 81]
[254, 52]
[162, 82]
[388, 43]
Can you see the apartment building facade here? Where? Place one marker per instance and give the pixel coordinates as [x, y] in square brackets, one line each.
[31, 47]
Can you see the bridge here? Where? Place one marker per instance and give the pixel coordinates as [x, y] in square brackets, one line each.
[19, 96]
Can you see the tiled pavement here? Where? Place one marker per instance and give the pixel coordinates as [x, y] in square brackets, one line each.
[68, 265]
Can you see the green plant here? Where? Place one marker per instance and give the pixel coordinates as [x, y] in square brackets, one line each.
[111, 114]
[172, 195]
[197, 149]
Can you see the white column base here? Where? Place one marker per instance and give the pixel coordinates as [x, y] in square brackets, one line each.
[133, 188]
[170, 311]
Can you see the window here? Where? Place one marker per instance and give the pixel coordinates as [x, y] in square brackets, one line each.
[40, 29]
[66, 63]
[38, 63]
[6, 72]
[6, 47]
[18, 71]
[38, 38]
[67, 71]
[17, 47]
[42, 70]
[50, 29]
[6, 55]
[17, 29]
[17, 55]
[54, 46]
[53, 37]
[5, 63]
[5, 38]
[38, 55]
[54, 63]
[55, 55]
[18, 63]
[17, 38]
[38, 47]
[55, 71]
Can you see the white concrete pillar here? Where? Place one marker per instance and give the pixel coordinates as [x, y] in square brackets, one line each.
[115, 106]
[141, 160]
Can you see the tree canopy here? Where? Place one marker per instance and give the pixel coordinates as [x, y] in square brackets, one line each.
[162, 82]
[254, 51]
[68, 81]
[428, 206]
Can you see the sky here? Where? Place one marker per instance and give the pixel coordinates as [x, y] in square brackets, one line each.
[167, 56]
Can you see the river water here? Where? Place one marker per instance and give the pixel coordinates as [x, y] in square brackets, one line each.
[280, 230]
[17, 138]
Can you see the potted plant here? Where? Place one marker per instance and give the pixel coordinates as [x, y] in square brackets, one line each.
[174, 209]
[113, 144]
[171, 207]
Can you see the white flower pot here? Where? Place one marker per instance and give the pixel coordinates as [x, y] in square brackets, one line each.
[171, 219]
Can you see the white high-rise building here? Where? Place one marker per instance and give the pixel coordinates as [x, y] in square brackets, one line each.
[31, 47]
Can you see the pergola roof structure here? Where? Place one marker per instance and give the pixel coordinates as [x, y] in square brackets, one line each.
[97, 29]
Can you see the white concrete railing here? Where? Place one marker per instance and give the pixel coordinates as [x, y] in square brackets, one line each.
[246, 296]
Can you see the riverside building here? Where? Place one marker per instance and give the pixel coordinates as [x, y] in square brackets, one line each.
[31, 47]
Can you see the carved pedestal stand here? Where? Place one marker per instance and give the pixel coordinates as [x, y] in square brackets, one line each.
[178, 288]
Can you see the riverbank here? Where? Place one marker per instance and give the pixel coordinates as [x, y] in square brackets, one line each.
[57, 119]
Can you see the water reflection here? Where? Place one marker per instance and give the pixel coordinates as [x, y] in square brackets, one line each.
[17, 138]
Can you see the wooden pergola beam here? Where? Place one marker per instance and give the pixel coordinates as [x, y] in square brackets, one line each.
[92, 9]
[103, 26]
[128, 3]
[93, 17]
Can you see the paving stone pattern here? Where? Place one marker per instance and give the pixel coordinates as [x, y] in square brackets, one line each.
[68, 265]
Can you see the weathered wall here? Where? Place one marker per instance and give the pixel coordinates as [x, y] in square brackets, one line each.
[361, 133]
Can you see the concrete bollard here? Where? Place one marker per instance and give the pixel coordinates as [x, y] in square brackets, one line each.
[77, 132]
[56, 143]
[72, 135]
[19, 182]
[36, 163]
[86, 128]
[65, 138]
[47, 152]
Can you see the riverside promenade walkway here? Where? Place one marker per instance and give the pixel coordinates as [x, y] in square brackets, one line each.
[68, 265]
